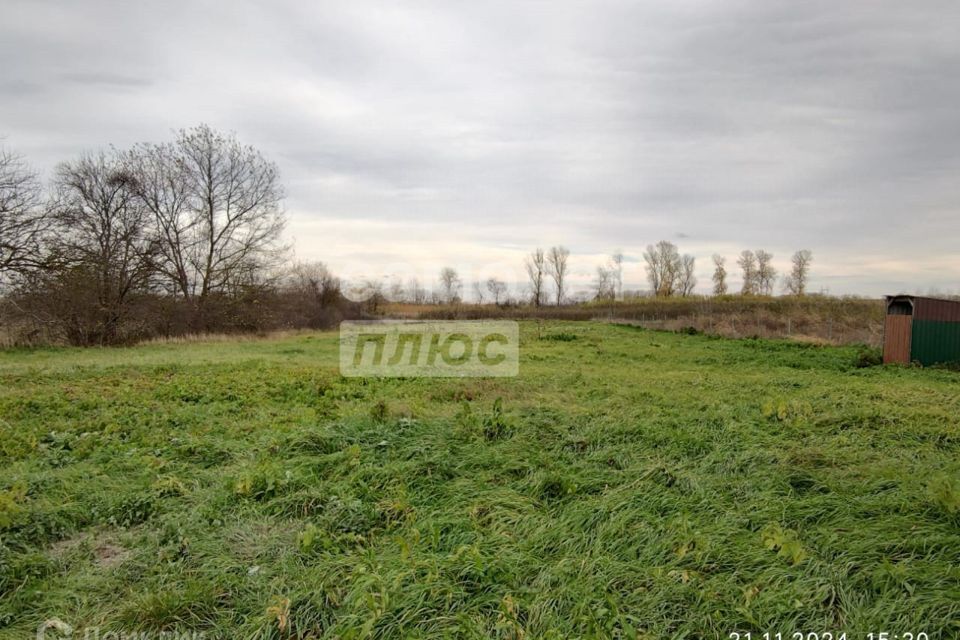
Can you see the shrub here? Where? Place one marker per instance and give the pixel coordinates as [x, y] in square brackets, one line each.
[868, 357]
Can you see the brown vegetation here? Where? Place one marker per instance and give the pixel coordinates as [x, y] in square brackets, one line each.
[810, 318]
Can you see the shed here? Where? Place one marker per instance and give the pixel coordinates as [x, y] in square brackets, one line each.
[924, 330]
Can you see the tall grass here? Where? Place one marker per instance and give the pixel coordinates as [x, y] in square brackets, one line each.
[628, 484]
[817, 318]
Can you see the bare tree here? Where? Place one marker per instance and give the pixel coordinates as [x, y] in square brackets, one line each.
[217, 207]
[163, 184]
[748, 265]
[617, 261]
[766, 274]
[316, 295]
[664, 266]
[478, 291]
[415, 291]
[686, 278]
[796, 282]
[450, 285]
[536, 266]
[314, 279]
[103, 242]
[557, 259]
[497, 289]
[397, 292]
[370, 292]
[22, 220]
[605, 287]
[719, 275]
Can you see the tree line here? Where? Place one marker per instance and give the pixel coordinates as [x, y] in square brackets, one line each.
[186, 236]
[668, 273]
[159, 239]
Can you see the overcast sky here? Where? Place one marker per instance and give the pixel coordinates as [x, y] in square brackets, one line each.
[412, 135]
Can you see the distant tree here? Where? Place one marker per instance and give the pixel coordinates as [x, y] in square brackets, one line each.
[370, 292]
[617, 261]
[536, 266]
[22, 219]
[766, 274]
[748, 265]
[604, 287]
[557, 260]
[796, 282]
[397, 292]
[478, 291]
[314, 280]
[687, 279]
[316, 295]
[497, 289]
[719, 275]
[664, 266]
[416, 293]
[450, 285]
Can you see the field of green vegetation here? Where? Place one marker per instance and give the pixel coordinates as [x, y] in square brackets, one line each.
[629, 484]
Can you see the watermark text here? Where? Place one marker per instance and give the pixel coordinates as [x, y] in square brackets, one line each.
[433, 349]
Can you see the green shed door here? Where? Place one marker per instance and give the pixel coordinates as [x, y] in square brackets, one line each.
[935, 342]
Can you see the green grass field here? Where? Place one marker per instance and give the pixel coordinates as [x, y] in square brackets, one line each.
[628, 484]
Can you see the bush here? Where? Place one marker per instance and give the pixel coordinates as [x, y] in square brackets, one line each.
[868, 357]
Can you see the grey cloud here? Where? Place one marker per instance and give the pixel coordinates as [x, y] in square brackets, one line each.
[599, 125]
[106, 79]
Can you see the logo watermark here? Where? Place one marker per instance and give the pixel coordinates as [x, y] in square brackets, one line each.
[439, 349]
[56, 629]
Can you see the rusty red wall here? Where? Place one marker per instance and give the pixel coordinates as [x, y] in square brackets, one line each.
[896, 339]
[933, 309]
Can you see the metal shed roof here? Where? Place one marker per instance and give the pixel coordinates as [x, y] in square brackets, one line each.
[930, 308]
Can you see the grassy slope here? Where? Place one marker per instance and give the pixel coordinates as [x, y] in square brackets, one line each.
[634, 483]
